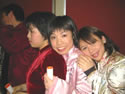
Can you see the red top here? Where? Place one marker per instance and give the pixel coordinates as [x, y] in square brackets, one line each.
[47, 57]
[15, 42]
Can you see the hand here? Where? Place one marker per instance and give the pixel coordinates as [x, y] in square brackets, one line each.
[20, 89]
[7, 92]
[48, 82]
[21, 93]
[85, 62]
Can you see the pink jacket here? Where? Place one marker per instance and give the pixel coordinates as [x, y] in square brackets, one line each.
[76, 79]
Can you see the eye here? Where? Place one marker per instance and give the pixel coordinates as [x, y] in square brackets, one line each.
[83, 48]
[64, 34]
[94, 43]
[30, 30]
[52, 37]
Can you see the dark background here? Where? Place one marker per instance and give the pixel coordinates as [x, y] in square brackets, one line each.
[108, 15]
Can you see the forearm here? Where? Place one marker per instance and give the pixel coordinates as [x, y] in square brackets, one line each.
[89, 71]
[20, 88]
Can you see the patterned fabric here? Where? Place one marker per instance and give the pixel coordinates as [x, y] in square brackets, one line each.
[110, 75]
[76, 79]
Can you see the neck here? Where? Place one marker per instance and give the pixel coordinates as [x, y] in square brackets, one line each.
[16, 23]
[44, 44]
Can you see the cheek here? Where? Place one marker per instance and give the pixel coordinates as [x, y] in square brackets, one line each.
[68, 41]
[86, 53]
[35, 38]
[53, 43]
[102, 49]
[100, 46]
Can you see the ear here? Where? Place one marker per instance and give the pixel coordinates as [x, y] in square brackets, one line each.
[11, 15]
[103, 39]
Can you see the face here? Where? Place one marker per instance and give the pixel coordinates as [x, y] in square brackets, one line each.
[5, 19]
[61, 41]
[94, 50]
[35, 38]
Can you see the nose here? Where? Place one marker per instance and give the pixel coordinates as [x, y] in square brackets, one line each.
[28, 35]
[58, 41]
[91, 48]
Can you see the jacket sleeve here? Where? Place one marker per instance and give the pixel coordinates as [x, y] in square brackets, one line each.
[116, 77]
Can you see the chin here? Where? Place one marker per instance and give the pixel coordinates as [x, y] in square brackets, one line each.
[61, 53]
[98, 59]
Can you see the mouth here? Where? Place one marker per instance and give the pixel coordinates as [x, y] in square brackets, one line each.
[61, 49]
[30, 42]
[95, 55]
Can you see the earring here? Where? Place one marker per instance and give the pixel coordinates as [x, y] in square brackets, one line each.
[104, 41]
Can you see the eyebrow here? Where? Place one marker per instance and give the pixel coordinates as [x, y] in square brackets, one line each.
[82, 46]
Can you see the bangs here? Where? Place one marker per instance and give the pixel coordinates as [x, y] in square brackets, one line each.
[87, 37]
[59, 26]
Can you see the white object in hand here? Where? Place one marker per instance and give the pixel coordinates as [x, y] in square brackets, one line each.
[9, 88]
[50, 72]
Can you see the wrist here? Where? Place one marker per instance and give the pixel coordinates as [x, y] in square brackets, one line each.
[87, 72]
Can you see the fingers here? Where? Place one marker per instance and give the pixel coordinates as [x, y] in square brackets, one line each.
[47, 81]
[15, 89]
[21, 93]
[85, 58]
[8, 92]
[20, 88]
[85, 62]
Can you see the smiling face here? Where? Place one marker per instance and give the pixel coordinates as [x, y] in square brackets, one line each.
[35, 38]
[93, 50]
[61, 41]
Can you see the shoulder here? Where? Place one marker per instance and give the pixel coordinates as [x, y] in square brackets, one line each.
[75, 52]
[117, 61]
[116, 57]
[52, 58]
[6, 27]
[21, 27]
[53, 55]
[48, 53]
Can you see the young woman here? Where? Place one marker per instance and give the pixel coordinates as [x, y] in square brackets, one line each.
[101, 60]
[37, 24]
[62, 37]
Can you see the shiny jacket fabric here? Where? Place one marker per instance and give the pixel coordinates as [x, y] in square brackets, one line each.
[76, 80]
[110, 75]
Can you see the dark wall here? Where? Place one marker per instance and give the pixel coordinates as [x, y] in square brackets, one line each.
[30, 5]
[108, 15]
